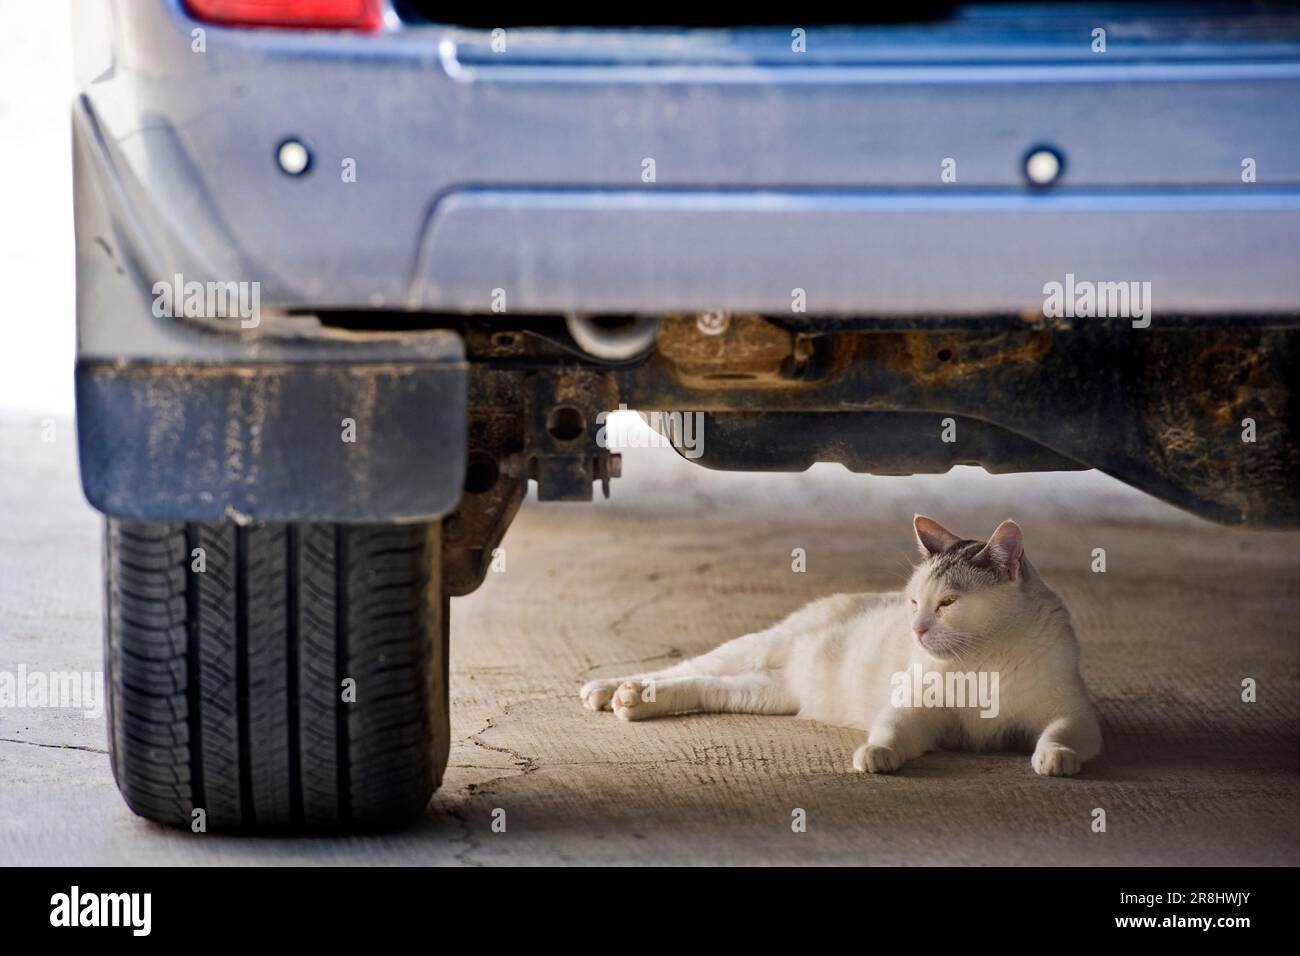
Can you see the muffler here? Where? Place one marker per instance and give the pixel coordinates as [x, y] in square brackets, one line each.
[613, 338]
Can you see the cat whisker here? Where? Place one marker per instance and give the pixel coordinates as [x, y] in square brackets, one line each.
[959, 644]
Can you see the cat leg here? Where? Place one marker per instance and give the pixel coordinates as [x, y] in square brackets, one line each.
[599, 694]
[743, 655]
[1066, 744]
[733, 694]
[898, 734]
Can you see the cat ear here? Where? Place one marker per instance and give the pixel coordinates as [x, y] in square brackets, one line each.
[1005, 549]
[932, 537]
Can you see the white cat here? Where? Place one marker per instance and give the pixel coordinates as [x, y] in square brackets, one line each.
[975, 614]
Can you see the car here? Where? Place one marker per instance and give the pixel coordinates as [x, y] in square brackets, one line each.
[352, 274]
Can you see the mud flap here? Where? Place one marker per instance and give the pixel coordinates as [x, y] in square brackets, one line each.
[328, 439]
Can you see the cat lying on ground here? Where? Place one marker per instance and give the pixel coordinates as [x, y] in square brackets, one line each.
[976, 653]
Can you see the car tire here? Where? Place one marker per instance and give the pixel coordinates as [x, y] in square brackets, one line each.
[272, 677]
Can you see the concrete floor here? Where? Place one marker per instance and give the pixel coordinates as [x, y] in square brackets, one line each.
[678, 560]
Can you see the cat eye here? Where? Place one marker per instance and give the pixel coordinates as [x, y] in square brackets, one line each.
[946, 601]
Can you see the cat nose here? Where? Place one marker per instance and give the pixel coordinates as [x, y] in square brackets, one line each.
[919, 632]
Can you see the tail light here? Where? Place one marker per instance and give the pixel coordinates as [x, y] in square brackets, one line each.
[300, 14]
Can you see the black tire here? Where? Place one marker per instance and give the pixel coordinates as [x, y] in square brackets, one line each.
[226, 686]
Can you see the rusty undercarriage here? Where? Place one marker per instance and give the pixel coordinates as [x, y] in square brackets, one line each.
[1198, 414]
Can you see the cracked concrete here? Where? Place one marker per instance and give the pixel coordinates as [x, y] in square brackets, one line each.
[34, 743]
[679, 559]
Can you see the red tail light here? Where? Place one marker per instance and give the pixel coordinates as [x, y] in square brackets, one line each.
[302, 14]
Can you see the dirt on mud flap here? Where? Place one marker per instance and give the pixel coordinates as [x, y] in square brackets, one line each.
[325, 434]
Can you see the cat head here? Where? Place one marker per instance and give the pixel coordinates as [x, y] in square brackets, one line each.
[965, 594]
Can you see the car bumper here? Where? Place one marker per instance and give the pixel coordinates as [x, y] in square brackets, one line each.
[448, 177]
[444, 170]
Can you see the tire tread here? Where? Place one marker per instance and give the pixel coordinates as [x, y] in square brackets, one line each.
[225, 686]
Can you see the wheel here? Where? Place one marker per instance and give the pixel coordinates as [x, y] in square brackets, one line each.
[276, 676]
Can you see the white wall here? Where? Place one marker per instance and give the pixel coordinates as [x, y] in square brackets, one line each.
[37, 334]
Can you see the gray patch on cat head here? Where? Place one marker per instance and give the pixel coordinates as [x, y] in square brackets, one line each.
[959, 570]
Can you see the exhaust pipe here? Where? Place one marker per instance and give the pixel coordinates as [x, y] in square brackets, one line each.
[613, 338]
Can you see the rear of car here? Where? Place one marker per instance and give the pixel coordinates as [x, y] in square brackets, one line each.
[351, 273]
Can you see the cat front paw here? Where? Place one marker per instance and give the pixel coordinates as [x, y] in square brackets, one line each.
[1056, 762]
[597, 694]
[633, 700]
[872, 758]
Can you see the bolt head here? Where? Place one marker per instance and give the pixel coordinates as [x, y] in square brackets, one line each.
[713, 322]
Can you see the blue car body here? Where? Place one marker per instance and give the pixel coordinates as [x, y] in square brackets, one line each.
[871, 171]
